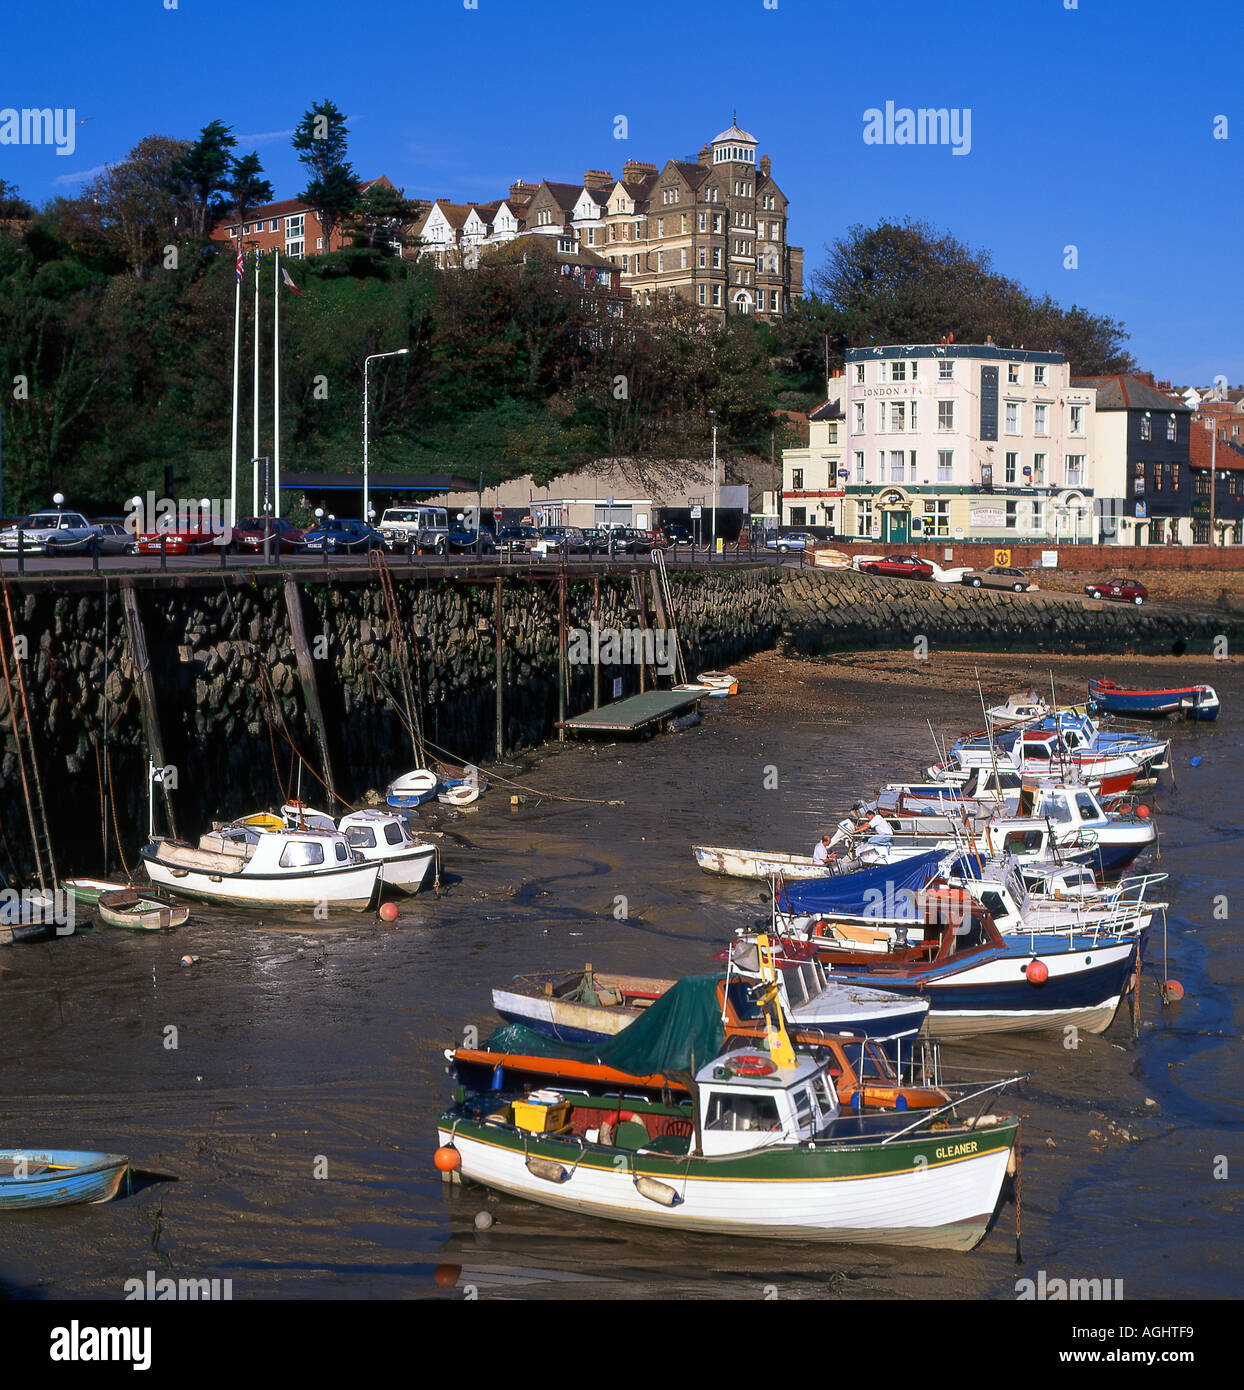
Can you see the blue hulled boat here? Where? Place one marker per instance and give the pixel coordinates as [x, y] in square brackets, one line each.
[1188, 701]
[58, 1177]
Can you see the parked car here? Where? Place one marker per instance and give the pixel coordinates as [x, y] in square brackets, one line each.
[249, 534]
[998, 577]
[673, 533]
[597, 538]
[629, 541]
[60, 531]
[790, 540]
[1125, 590]
[343, 536]
[563, 540]
[427, 527]
[462, 540]
[898, 567]
[517, 539]
[183, 540]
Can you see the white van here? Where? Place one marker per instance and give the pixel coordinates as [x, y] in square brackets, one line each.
[428, 527]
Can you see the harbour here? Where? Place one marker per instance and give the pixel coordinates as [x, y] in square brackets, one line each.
[297, 1101]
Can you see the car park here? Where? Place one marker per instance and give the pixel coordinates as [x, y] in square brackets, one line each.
[1121, 589]
[998, 577]
[898, 567]
[58, 531]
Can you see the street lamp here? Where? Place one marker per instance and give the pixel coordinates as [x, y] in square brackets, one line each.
[712, 419]
[400, 352]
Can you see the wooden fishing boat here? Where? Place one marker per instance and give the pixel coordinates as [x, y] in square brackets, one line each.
[591, 1005]
[130, 911]
[1188, 701]
[58, 1177]
[412, 789]
[87, 890]
[765, 1151]
[756, 863]
[977, 981]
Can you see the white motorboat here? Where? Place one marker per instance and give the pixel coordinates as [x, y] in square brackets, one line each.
[249, 866]
[384, 838]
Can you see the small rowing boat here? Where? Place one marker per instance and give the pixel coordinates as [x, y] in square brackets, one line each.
[58, 1177]
[87, 890]
[128, 910]
[1189, 701]
[412, 789]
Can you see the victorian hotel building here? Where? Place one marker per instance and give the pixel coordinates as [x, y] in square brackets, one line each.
[948, 441]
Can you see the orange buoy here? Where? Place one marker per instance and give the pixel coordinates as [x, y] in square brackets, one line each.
[1037, 972]
[446, 1276]
[447, 1159]
[1143, 812]
[1172, 991]
[388, 912]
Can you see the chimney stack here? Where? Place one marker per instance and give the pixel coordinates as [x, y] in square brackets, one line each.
[764, 163]
[634, 170]
[705, 156]
[598, 180]
[520, 191]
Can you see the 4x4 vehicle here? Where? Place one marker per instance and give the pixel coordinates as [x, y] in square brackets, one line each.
[564, 540]
[427, 527]
[517, 539]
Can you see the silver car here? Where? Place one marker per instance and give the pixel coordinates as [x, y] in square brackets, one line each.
[51, 531]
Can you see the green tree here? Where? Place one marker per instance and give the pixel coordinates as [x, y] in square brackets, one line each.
[202, 175]
[247, 189]
[133, 204]
[320, 142]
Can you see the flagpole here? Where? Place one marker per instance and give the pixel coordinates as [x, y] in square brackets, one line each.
[255, 432]
[276, 380]
[233, 434]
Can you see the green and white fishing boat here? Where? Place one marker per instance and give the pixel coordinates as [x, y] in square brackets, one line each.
[762, 1150]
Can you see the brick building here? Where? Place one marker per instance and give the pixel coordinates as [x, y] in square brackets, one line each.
[290, 226]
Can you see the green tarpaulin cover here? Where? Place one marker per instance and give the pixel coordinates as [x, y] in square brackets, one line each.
[685, 1021]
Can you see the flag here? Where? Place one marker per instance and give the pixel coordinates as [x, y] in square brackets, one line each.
[290, 284]
[239, 262]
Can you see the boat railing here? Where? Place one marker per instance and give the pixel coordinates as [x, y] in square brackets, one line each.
[982, 1094]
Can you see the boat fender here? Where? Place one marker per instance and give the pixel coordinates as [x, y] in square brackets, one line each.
[1036, 972]
[656, 1191]
[547, 1169]
[447, 1159]
[981, 1122]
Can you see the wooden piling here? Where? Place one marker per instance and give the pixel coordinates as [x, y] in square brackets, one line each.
[310, 689]
[641, 606]
[561, 657]
[596, 642]
[500, 684]
[146, 691]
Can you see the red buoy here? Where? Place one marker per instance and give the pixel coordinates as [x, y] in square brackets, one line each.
[447, 1159]
[446, 1276]
[388, 912]
[1172, 991]
[1143, 812]
[1037, 972]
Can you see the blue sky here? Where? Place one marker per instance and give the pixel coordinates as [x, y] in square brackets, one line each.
[1091, 126]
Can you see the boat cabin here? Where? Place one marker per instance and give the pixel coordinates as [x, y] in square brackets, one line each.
[239, 849]
[1060, 805]
[374, 833]
[747, 1102]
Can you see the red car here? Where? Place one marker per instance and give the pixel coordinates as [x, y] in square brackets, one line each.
[248, 535]
[899, 567]
[1125, 590]
[185, 540]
